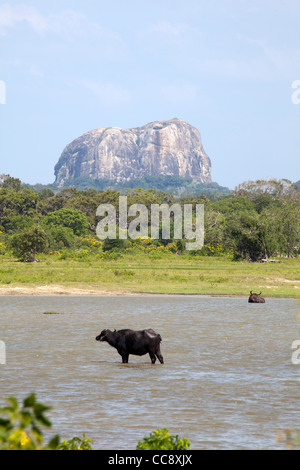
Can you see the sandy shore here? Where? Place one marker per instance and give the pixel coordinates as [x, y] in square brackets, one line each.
[67, 290]
[57, 290]
[63, 290]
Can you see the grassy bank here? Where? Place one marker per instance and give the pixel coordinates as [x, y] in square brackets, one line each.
[162, 274]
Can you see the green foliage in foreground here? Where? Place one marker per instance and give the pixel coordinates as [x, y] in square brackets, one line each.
[21, 429]
[292, 439]
[161, 439]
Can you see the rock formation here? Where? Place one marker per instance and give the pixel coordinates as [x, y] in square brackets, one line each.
[170, 147]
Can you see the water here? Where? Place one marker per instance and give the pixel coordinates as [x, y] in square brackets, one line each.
[228, 381]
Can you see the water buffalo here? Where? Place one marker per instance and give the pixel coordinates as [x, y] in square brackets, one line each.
[133, 342]
[256, 298]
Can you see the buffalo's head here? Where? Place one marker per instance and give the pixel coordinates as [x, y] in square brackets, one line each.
[256, 298]
[103, 335]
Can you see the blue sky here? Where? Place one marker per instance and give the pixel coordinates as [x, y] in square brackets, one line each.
[225, 66]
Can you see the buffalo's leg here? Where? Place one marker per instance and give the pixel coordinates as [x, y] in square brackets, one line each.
[125, 358]
[159, 355]
[152, 357]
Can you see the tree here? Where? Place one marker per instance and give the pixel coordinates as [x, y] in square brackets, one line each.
[268, 231]
[289, 228]
[60, 237]
[148, 197]
[55, 202]
[87, 201]
[271, 186]
[242, 231]
[18, 223]
[14, 203]
[25, 245]
[7, 181]
[71, 218]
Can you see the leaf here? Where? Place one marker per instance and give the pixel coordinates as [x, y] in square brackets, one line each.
[54, 443]
[14, 403]
[29, 401]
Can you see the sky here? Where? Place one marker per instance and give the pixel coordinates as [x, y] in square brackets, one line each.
[231, 68]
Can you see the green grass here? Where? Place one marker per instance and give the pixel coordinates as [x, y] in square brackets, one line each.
[167, 273]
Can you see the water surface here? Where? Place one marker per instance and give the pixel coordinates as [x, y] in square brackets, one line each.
[228, 381]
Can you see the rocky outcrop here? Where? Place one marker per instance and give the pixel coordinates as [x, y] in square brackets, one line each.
[170, 147]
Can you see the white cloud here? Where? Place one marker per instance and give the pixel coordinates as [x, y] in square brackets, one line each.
[69, 27]
[67, 23]
[10, 16]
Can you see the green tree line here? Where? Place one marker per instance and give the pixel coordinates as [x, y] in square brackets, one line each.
[257, 220]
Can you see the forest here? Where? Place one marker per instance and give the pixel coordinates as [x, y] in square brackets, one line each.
[256, 221]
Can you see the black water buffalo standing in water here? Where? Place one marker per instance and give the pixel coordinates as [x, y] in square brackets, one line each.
[134, 342]
[256, 298]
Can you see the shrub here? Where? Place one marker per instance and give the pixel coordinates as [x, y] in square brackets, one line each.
[21, 428]
[161, 439]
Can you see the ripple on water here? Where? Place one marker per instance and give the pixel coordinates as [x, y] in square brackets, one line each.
[227, 382]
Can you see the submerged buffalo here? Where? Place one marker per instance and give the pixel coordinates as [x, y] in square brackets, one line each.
[134, 342]
[256, 298]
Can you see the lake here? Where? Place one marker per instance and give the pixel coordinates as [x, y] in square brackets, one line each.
[228, 381]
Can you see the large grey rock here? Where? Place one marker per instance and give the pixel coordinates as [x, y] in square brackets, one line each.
[170, 147]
